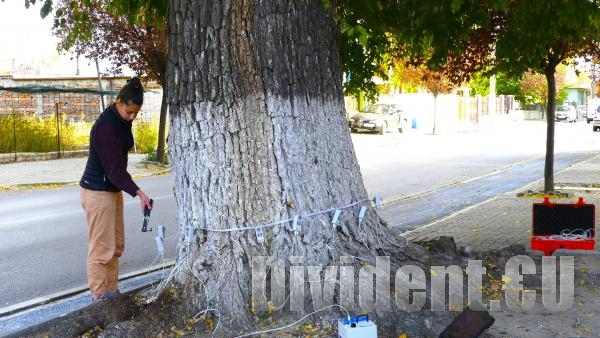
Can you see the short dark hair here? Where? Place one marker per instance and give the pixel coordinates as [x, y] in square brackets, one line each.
[132, 92]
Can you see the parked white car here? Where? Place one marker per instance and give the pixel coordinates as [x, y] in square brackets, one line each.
[566, 113]
[379, 117]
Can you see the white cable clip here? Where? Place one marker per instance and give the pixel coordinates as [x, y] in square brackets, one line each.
[296, 227]
[378, 201]
[159, 245]
[161, 232]
[361, 214]
[260, 236]
[336, 218]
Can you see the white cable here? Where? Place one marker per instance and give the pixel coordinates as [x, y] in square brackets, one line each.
[159, 256]
[201, 282]
[285, 220]
[207, 302]
[165, 281]
[570, 235]
[296, 322]
[201, 313]
[380, 226]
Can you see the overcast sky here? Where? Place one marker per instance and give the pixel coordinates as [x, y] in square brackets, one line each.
[26, 38]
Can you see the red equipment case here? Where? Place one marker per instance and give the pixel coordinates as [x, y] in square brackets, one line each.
[552, 219]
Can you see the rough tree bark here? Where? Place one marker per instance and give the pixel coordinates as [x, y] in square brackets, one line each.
[258, 135]
[162, 124]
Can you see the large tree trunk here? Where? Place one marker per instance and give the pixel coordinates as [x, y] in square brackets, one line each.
[549, 71]
[258, 135]
[162, 125]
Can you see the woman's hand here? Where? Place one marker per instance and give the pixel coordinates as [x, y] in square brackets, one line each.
[144, 200]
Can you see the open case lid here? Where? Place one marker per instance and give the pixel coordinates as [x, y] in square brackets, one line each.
[554, 218]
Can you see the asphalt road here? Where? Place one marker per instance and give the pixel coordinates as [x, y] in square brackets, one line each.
[402, 165]
[43, 232]
[43, 241]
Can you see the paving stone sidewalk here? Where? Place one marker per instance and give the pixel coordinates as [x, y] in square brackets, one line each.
[506, 219]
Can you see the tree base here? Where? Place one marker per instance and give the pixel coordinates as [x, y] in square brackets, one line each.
[122, 317]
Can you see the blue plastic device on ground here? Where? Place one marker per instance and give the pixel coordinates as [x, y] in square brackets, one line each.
[357, 327]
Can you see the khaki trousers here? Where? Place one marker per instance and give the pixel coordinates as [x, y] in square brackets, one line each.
[106, 238]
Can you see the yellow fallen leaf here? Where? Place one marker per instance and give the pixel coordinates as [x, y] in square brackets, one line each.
[404, 335]
[178, 333]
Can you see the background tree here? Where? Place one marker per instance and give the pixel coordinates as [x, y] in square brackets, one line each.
[437, 83]
[411, 78]
[533, 88]
[574, 32]
[365, 45]
[405, 78]
[464, 37]
[507, 85]
[479, 84]
[98, 30]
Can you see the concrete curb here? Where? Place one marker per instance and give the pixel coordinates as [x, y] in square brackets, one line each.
[27, 317]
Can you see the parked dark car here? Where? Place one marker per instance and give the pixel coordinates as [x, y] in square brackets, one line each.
[380, 117]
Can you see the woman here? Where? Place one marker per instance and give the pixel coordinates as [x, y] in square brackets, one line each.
[104, 179]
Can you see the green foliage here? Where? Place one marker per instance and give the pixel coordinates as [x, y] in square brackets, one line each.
[480, 84]
[146, 136]
[363, 46]
[507, 85]
[27, 133]
[522, 46]
[136, 11]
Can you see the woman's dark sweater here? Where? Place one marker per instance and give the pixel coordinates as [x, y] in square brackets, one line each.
[110, 141]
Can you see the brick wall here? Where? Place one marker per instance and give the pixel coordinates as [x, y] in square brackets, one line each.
[76, 106]
[30, 123]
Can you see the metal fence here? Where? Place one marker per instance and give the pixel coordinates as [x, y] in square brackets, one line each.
[41, 122]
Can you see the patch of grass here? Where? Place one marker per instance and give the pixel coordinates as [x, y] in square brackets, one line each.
[542, 194]
[30, 133]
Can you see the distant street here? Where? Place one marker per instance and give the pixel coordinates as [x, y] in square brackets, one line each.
[44, 233]
[398, 165]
